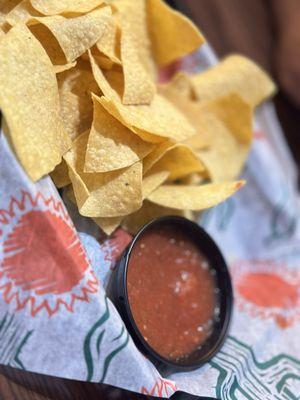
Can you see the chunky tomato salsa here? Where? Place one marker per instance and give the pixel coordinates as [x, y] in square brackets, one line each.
[172, 292]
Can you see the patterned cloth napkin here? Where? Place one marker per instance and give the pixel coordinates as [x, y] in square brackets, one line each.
[54, 267]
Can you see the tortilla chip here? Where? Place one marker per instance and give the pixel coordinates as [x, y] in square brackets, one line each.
[235, 74]
[108, 225]
[60, 175]
[191, 110]
[111, 145]
[228, 122]
[109, 43]
[139, 86]
[75, 88]
[5, 7]
[166, 157]
[77, 34]
[50, 43]
[193, 198]
[181, 82]
[109, 194]
[173, 35]
[65, 67]
[53, 7]
[104, 62]
[149, 211]
[23, 12]
[33, 118]
[160, 118]
[79, 80]
[135, 13]
[153, 180]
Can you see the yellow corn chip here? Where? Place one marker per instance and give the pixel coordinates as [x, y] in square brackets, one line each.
[108, 225]
[182, 82]
[166, 155]
[104, 62]
[139, 86]
[75, 87]
[111, 145]
[153, 180]
[173, 35]
[160, 118]
[77, 34]
[157, 153]
[166, 158]
[193, 179]
[234, 74]
[76, 113]
[31, 104]
[21, 13]
[228, 122]
[50, 43]
[115, 78]
[193, 198]
[109, 194]
[5, 7]
[60, 175]
[149, 211]
[61, 68]
[109, 43]
[191, 110]
[79, 80]
[52, 7]
[135, 13]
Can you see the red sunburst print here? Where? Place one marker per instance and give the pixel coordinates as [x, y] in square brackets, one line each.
[114, 246]
[43, 264]
[267, 290]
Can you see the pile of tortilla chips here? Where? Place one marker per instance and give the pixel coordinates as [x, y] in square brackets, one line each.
[80, 94]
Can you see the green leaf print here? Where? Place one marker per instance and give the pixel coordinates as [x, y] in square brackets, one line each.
[99, 355]
[13, 339]
[241, 376]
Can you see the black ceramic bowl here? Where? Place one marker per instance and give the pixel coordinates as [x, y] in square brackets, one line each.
[117, 292]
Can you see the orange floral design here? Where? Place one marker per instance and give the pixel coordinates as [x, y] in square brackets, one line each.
[43, 265]
[267, 290]
[161, 388]
[114, 246]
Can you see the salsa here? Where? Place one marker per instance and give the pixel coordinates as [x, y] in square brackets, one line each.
[172, 292]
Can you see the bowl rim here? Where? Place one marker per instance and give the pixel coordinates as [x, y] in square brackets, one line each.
[221, 268]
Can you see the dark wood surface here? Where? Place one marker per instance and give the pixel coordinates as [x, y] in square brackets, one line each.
[231, 26]
[15, 385]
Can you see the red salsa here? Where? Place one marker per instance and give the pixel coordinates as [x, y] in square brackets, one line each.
[172, 292]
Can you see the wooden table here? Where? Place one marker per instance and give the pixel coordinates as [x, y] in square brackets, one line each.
[19, 385]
